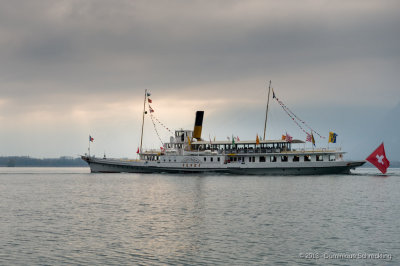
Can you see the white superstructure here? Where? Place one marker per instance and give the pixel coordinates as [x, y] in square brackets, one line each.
[183, 154]
[187, 152]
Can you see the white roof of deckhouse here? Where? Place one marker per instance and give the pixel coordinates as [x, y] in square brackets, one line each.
[229, 142]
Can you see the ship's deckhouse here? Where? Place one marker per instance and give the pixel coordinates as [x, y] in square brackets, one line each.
[248, 146]
[182, 148]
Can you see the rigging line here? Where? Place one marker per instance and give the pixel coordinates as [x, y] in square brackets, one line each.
[288, 111]
[152, 120]
[163, 125]
[155, 129]
[158, 121]
[281, 104]
[303, 122]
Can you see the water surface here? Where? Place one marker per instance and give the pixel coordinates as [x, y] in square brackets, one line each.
[69, 216]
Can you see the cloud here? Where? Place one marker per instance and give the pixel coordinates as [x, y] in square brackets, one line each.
[88, 62]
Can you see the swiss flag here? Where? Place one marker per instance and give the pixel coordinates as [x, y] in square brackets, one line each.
[378, 158]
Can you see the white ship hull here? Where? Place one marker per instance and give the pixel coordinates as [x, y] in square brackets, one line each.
[98, 165]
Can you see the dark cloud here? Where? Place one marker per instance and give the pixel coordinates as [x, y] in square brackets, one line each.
[63, 57]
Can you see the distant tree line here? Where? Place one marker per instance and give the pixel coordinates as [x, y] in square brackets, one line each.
[26, 161]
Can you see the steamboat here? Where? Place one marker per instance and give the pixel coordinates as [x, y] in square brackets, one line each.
[187, 152]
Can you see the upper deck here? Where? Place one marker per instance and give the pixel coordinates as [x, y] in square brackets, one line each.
[183, 144]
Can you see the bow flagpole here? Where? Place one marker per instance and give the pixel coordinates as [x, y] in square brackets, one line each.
[144, 111]
[90, 140]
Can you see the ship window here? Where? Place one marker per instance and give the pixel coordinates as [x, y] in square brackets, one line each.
[219, 159]
[211, 159]
[273, 159]
[307, 158]
[332, 158]
[320, 158]
[296, 158]
[262, 159]
[205, 159]
[284, 158]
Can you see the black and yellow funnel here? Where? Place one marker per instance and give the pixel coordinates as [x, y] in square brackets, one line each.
[198, 123]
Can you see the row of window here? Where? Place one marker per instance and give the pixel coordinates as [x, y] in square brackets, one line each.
[212, 159]
[284, 158]
[262, 159]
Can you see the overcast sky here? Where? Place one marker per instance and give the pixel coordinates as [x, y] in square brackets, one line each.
[73, 68]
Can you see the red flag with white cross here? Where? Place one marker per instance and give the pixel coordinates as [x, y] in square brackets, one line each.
[379, 159]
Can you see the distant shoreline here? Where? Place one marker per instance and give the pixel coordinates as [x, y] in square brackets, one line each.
[26, 161]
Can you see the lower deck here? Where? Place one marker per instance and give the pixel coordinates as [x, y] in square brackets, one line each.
[194, 165]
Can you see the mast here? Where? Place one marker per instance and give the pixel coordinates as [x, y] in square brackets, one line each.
[144, 108]
[266, 113]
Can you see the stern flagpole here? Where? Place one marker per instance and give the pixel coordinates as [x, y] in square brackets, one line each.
[266, 113]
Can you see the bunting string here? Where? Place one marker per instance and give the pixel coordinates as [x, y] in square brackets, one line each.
[155, 129]
[287, 112]
[155, 119]
[295, 118]
[159, 122]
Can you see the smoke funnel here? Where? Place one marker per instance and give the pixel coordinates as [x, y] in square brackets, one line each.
[198, 124]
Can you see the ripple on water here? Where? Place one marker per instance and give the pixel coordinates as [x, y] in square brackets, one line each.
[72, 217]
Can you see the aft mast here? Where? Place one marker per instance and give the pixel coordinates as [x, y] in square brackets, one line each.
[266, 113]
[144, 112]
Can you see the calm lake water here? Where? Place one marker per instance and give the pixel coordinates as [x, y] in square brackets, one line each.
[68, 216]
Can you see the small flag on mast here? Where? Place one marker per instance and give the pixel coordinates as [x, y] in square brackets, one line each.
[312, 139]
[149, 100]
[308, 138]
[90, 138]
[289, 138]
[151, 109]
[148, 94]
[332, 137]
